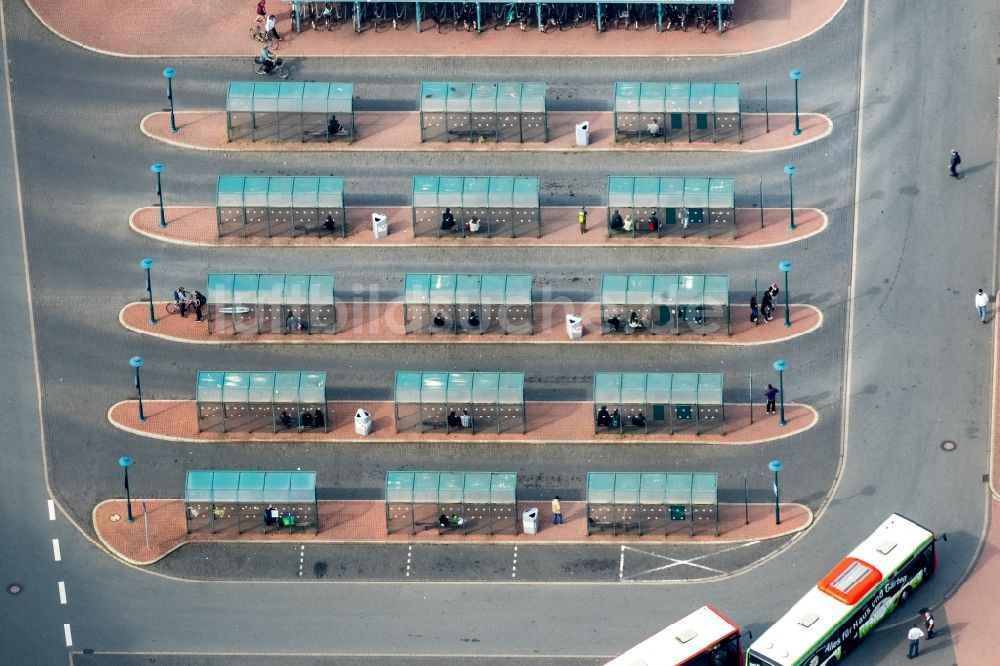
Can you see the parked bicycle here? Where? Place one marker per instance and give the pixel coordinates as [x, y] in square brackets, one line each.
[261, 36]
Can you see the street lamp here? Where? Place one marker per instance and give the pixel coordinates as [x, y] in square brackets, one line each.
[136, 362]
[790, 171]
[146, 265]
[780, 366]
[795, 75]
[125, 461]
[157, 168]
[776, 466]
[169, 74]
[786, 268]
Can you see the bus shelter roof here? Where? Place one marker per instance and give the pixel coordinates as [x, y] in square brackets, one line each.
[270, 288]
[676, 97]
[220, 386]
[219, 486]
[664, 289]
[657, 488]
[482, 97]
[279, 192]
[477, 388]
[475, 192]
[451, 289]
[290, 97]
[670, 192]
[451, 487]
[667, 388]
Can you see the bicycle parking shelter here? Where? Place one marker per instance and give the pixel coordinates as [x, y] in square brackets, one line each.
[238, 401]
[467, 303]
[225, 500]
[423, 401]
[424, 10]
[288, 110]
[511, 111]
[480, 501]
[663, 401]
[664, 303]
[646, 502]
[680, 111]
[500, 205]
[267, 303]
[688, 204]
[280, 206]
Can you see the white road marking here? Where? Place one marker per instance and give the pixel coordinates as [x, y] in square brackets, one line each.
[621, 565]
[513, 570]
[69, 635]
[674, 562]
[52, 510]
[56, 553]
[62, 593]
[409, 558]
[302, 557]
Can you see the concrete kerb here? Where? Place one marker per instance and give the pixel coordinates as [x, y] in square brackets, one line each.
[477, 340]
[493, 242]
[374, 439]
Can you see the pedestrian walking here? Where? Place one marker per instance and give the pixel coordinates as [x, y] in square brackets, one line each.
[767, 306]
[915, 635]
[982, 300]
[928, 623]
[953, 163]
[773, 290]
[557, 518]
[754, 311]
[198, 302]
[770, 393]
[581, 217]
[270, 27]
[261, 12]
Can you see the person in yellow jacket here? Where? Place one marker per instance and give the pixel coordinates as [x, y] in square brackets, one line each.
[581, 217]
[557, 518]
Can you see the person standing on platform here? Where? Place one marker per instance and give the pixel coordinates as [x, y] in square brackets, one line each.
[581, 217]
[557, 517]
[914, 635]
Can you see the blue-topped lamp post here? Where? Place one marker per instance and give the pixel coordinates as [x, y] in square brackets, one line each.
[157, 168]
[790, 171]
[776, 466]
[786, 268]
[795, 75]
[136, 362]
[169, 75]
[147, 265]
[781, 366]
[125, 462]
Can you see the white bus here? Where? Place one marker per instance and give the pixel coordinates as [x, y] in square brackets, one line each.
[857, 594]
[703, 638]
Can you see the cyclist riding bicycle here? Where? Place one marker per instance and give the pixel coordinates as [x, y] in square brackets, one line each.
[267, 59]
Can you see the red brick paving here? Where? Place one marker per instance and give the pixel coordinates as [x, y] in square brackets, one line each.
[382, 323]
[547, 422]
[364, 522]
[221, 27]
[399, 131]
[194, 225]
[973, 629]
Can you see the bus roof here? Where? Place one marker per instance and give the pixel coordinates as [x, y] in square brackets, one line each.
[680, 641]
[821, 610]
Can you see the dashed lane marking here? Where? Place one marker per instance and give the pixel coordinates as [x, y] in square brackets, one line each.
[69, 635]
[62, 593]
[409, 559]
[56, 553]
[621, 566]
[302, 558]
[513, 570]
[52, 510]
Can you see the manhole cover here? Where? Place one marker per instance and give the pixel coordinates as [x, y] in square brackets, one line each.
[115, 517]
[948, 445]
[14, 588]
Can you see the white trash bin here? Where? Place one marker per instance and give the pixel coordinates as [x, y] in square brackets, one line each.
[529, 520]
[362, 422]
[583, 134]
[380, 225]
[574, 326]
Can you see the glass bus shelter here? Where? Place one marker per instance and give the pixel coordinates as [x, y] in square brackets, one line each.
[462, 303]
[497, 112]
[670, 205]
[223, 501]
[659, 401]
[650, 502]
[280, 206]
[256, 303]
[230, 401]
[427, 401]
[665, 303]
[478, 206]
[678, 112]
[472, 502]
[289, 111]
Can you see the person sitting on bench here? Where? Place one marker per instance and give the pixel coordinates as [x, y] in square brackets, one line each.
[473, 320]
[271, 516]
[654, 222]
[616, 220]
[603, 417]
[453, 420]
[616, 419]
[615, 323]
[443, 521]
[465, 419]
[628, 224]
[447, 220]
[439, 320]
[328, 223]
[318, 419]
[473, 225]
[653, 128]
[306, 420]
[633, 321]
[638, 420]
[285, 419]
[333, 126]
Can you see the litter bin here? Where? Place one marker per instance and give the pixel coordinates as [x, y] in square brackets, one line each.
[583, 134]
[362, 422]
[574, 326]
[380, 225]
[529, 520]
